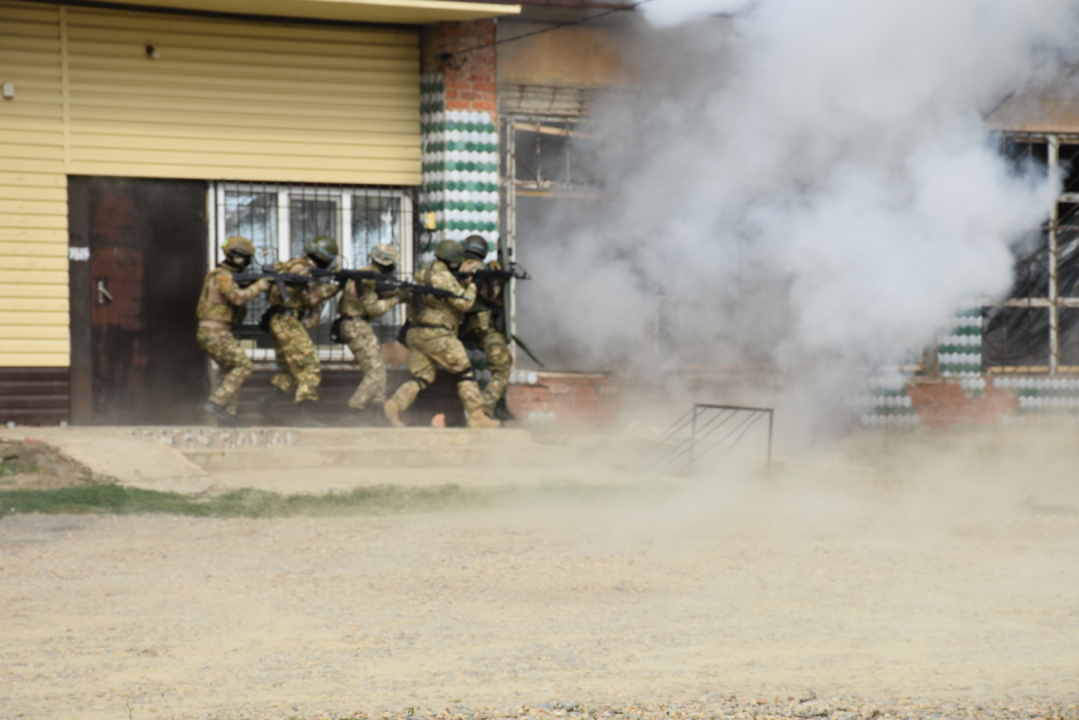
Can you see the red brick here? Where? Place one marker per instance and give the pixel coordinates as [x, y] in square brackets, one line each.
[942, 404]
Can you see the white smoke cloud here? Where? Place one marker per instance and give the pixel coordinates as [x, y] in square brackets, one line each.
[812, 178]
[663, 13]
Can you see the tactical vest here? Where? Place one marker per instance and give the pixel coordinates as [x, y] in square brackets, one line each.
[435, 310]
[351, 300]
[299, 298]
[213, 303]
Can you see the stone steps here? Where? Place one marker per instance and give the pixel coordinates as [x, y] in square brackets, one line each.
[362, 457]
[416, 437]
[362, 449]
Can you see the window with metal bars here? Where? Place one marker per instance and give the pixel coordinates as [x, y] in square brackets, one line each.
[281, 218]
[1036, 327]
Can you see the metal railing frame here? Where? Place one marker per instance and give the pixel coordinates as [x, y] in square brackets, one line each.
[700, 428]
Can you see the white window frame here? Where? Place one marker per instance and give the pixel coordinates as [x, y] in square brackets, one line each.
[344, 194]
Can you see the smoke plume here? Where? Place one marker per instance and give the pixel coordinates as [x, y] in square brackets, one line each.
[806, 183]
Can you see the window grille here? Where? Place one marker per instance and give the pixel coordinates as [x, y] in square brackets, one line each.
[280, 218]
[1035, 329]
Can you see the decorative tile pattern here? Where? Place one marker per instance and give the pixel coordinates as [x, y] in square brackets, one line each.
[460, 169]
[960, 351]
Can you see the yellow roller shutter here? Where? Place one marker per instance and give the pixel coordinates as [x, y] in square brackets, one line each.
[33, 190]
[233, 100]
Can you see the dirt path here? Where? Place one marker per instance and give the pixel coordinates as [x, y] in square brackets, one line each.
[756, 589]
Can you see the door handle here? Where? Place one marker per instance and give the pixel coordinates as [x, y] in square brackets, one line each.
[103, 295]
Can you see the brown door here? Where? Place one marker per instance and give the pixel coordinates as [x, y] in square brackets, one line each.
[134, 358]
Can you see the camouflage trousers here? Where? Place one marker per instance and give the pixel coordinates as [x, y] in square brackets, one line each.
[297, 363]
[225, 350]
[361, 340]
[428, 350]
[493, 344]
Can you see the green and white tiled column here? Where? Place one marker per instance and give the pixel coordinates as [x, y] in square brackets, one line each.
[884, 403]
[460, 170]
[959, 353]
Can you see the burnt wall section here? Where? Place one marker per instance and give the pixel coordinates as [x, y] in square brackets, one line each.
[35, 396]
[138, 256]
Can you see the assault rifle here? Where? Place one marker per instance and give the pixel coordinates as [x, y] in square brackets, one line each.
[281, 280]
[384, 282]
[479, 276]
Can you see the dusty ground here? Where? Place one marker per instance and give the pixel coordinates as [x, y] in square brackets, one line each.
[847, 584]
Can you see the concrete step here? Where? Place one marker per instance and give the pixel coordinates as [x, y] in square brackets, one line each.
[372, 455]
[415, 437]
[466, 476]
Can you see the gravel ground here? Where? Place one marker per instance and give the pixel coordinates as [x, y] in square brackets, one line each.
[816, 594]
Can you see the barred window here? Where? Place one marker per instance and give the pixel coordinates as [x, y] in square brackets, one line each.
[1035, 329]
[281, 218]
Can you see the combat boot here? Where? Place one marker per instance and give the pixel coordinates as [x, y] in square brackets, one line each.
[480, 419]
[355, 418]
[269, 400]
[392, 413]
[501, 411]
[304, 416]
[219, 414]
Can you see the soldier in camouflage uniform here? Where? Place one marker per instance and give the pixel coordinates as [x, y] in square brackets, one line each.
[432, 339]
[357, 306]
[220, 310]
[479, 327]
[297, 363]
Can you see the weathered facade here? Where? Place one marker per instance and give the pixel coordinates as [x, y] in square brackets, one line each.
[134, 141]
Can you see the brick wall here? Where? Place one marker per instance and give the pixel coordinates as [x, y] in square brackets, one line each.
[468, 77]
[565, 400]
[941, 404]
[459, 128]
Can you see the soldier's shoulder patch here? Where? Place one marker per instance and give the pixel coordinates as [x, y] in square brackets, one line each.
[224, 281]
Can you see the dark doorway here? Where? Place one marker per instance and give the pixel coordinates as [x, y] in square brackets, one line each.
[134, 359]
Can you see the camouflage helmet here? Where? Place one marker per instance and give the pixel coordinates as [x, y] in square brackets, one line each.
[238, 245]
[384, 255]
[450, 252]
[476, 247]
[323, 249]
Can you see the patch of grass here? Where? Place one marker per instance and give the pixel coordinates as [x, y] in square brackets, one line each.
[113, 499]
[118, 500]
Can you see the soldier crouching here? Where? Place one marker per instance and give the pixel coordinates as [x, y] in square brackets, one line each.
[357, 306]
[294, 352]
[220, 311]
[432, 339]
[479, 327]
